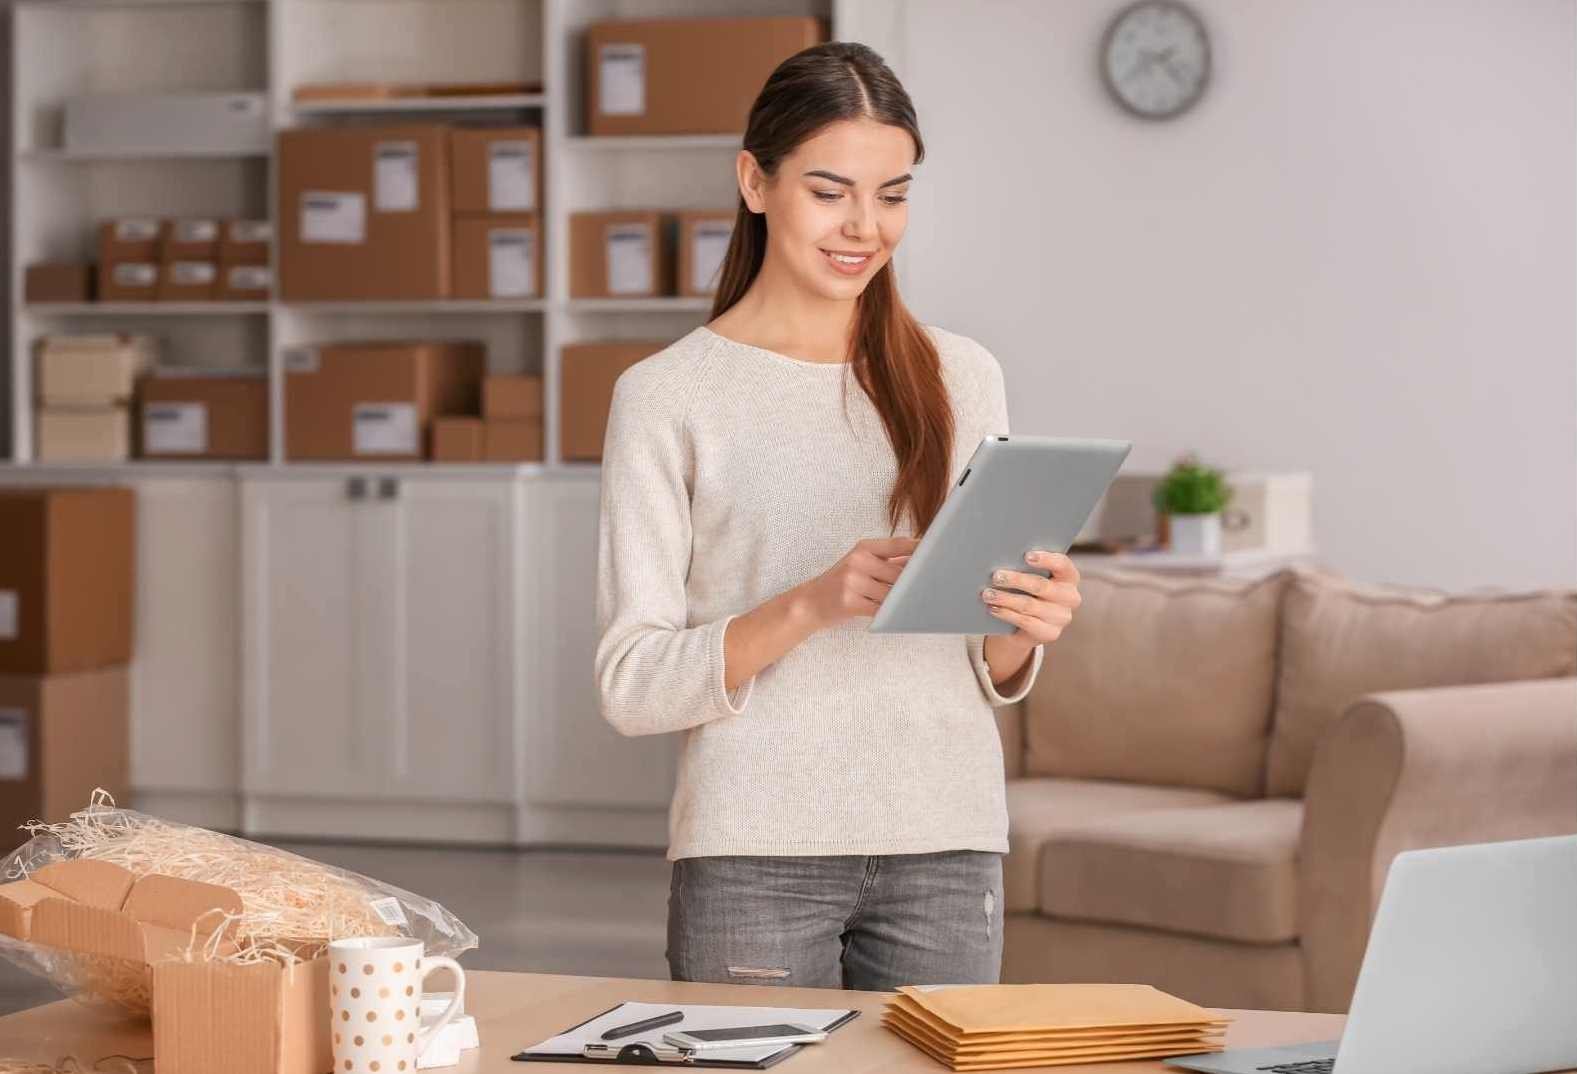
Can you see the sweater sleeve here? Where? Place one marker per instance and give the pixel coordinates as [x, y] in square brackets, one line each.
[992, 409]
[655, 672]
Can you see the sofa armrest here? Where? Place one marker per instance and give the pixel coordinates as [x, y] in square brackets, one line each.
[1423, 768]
[1010, 725]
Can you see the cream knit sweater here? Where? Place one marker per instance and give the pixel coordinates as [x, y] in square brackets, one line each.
[730, 474]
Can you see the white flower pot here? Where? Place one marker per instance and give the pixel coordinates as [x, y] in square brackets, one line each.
[1196, 535]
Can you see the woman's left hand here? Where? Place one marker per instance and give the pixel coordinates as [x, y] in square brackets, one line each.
[1047, 604]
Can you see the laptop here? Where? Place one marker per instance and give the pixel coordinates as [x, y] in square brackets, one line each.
[1471, 969]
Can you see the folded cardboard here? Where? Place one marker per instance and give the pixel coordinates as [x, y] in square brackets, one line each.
[61, 737]
[245, 242]
[512, 439]
[167, 123]
[244, 283]
[91, 370]
[204, 416]
[129, 281]
[67, 579]
[498, 256]
[130, 238]
[376, 399]
[457, 439]
[91, 434]
[496, 169]
[58, 282]
[364, 213]
[512, 396]
[625, 254]
[588, 373]
[641, 75]
[704, 236]
[188, 281]
[190, 239]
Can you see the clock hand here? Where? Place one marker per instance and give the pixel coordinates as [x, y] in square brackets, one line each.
[1149, 58]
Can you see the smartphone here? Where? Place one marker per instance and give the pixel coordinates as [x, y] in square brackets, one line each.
[745, 1037]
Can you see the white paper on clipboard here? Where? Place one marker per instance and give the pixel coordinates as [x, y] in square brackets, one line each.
[696, 1016]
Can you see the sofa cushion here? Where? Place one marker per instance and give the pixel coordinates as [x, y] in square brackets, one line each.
[1160, 680]
[1341, 640]
[1224, 871]
[1038, 808]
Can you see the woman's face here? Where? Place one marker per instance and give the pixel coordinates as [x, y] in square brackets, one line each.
[837, 207]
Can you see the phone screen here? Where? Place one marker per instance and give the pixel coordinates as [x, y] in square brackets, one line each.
[744, 1032]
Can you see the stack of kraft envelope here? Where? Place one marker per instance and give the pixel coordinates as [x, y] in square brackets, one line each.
[998, 1027]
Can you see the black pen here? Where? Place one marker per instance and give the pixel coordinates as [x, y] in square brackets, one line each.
[641, 1027]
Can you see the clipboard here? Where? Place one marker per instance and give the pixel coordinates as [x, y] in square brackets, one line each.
[637, 1053]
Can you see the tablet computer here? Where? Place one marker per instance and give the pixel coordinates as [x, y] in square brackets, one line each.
[1017, 493]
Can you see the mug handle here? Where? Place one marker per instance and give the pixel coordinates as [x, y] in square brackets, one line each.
[456, 1005]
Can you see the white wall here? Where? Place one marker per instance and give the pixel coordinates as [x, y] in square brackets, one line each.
[1356, 256]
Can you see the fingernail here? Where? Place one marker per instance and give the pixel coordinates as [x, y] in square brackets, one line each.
[1034, 557]
[991, 594]
[1000, 577]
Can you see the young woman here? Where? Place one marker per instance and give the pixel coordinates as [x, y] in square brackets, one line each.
[839, 818]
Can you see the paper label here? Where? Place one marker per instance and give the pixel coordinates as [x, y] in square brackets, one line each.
[249, 278]
[9, 616]
[196, 231]
[175, 428]
[136, 230]
[13, 744]
[708, 246]
[135, 274]
[621, 80]
[301, 360]
[630, 259]
[385, 429]
[329, 216]
[251, 231]
[389, 911]
[394, 178]
[192, 273]
[511, 179]
[511, 262]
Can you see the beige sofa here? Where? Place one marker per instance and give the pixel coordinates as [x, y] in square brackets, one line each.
[1208, 782]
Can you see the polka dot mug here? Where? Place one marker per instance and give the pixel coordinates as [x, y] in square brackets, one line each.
[375, 996]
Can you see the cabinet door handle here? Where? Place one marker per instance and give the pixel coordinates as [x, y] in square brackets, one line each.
[356, 488]
[388, 488]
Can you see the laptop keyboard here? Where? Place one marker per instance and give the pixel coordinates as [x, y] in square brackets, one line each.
[1311, 1066]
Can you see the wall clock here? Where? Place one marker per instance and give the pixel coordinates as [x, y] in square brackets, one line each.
[1155, 58]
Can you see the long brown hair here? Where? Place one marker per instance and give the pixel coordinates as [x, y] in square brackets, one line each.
[894, 360]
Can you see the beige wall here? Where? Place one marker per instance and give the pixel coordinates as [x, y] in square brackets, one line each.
[1355, 256]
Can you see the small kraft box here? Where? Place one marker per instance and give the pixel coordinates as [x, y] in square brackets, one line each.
[244, 283]
[621, 254]
[67, 579]
[188, 281]
[61, 737]
[376, 399]
[588, 373]
[58, 282]
[364, 213]
[91, 370]
[129, 281]
[642, 75]
[703, 244]
[457, 439]
[204, 416]
[497, 256]
[130, 238]
[512, 396]
[190, 239]
[512, 414]
[496, 169]
[245, 242]
[82, 434]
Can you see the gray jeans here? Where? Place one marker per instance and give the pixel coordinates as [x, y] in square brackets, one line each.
[869, 923]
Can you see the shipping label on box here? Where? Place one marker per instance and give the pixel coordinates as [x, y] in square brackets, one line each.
[194, 231]
[135, 274]
[629, 255]
[621, 80]
[137, 230]
[9, 615]
[13, 744]
[193, 273]
[250, 232]
[385, 429]
[511, 262]
[333, 216]
[248, 278]
[511, 177]
[708, 247]
[302, 360]
[175, 428]
[396, 177]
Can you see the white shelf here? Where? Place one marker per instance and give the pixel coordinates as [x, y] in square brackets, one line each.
[143, 309]
[654, 141]
[496, 103]
[102, 5]
[72, 156]
[422, 306]
[639, 305]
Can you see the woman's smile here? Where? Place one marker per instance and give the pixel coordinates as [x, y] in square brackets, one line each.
[849, 262]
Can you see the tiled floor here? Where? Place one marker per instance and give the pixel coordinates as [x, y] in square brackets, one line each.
[589, 912]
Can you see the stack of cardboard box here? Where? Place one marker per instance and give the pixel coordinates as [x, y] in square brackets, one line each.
[244, 274]
[67, 584]
[85, 385]
[648, 253]
[509, 430]
[129, 259]
[497, 201]
[188, 259]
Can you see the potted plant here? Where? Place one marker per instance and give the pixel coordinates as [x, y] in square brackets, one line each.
[1190, 499]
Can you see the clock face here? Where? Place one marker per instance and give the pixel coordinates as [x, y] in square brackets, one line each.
[1156, 58]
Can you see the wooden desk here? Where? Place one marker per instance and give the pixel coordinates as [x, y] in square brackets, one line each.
[514, 1010]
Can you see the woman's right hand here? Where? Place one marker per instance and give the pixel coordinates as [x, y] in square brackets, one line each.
[858, 583]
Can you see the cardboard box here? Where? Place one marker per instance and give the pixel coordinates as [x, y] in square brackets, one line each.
[641, 75]
[512, 439]
[376, 399]
[244, 283]
[512, 396]
[704, 236]
[67, 579]
[58, 282]
[245, 242]
[621, 254]
[457, 439]
[89, 434]
[496, 169]
[363, 213]
[130, 238]
[61, 736]
[497, 256]
[204, 416]
[91, 370]
[588, 373]
[190, 239]
[188, 281]
[129, 281]
[148, 123]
